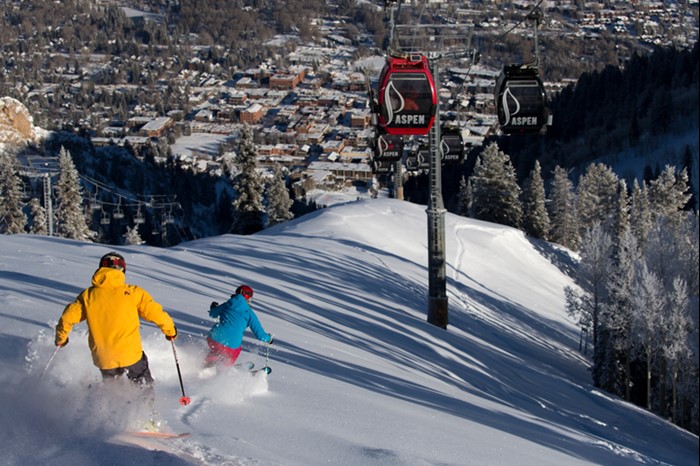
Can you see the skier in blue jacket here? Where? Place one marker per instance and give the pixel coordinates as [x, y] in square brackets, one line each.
[226, 336]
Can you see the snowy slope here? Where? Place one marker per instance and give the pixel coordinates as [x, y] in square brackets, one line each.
[359, 377]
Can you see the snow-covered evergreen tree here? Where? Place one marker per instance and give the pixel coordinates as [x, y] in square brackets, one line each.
[648, 300]
[12, 218]
[596, 261]
[617, 317]
[596, 193]
[690, 255]
[562, 210]
[71, 222]
[641, 322]
[681, 339]
[662, 252]
[132, 236]
[496, 194]
[279, 203]
[39, 221]
[248, 209]
[465, 197]
[666, 247]
[668, 195]
[535, 217]
[676, 345]
[620, 216]
[640, 212]
[579, 305]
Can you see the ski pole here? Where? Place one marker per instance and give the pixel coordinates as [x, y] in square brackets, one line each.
[267, 369]
[50, 360]
[184, 400]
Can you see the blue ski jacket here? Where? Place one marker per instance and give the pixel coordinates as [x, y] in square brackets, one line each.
[235, 315]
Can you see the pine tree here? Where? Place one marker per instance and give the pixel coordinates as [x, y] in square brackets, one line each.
[496, 194]
[668, 245]
[535, 216]
[69, 212]
[620, 217]
[39, 221]
[640, 213]
[689, 166]
[668, 195]
[617, 315]
[465, 197]
[279, 203]
[248, 206]
[597, 191]
[689, 254]
[661, 110]
[132, 236]
[684, 376]
[648, 300]
[579, 305]
[562, 211]
[12, 219]
[596, 259]
[676, 345]
[663, 251]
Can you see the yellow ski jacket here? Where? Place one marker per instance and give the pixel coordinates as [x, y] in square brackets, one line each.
[112, 309]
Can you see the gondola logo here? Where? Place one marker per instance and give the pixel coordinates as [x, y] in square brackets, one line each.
[386, 148]
[446, 152]
[395, 103]
[510, 117]
[506, 108]
[392, 96]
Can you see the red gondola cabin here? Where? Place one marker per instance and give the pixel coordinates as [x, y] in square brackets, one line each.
[407, 96]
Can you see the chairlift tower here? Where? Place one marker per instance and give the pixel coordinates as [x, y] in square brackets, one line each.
[48, 202]
[44, 171]
[460, 34]
[437, 279]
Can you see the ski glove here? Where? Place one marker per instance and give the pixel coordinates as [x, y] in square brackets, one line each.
[61, 344]
[171, 337]
[269, 341]
[213, 305]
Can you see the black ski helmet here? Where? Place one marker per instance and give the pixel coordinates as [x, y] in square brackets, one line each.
[114, 261]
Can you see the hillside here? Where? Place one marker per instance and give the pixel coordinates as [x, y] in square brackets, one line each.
[359, 377]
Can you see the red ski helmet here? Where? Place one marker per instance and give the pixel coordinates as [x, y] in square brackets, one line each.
[245, 290]
[114, 261]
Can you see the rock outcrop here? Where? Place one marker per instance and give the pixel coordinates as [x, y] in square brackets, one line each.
[16, 124]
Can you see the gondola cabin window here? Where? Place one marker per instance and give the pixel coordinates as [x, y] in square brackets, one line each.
[407, 96]
[521, 101]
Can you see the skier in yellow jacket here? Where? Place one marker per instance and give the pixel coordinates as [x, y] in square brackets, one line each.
[112, 309]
